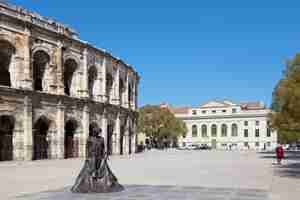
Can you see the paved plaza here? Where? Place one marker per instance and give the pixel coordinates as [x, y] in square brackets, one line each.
[171, 175]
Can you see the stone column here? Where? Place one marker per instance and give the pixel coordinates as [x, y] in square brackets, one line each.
[126, 102]
[117, 136]
[116, 97]
[103, 89]
[27, 126]
[98, 84]
[85, 131]
[104, 127]
[85, 78]
[59, 69]
[27, 79]
[60, 134]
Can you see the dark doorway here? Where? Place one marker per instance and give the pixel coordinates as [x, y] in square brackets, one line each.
[70, 67]
[110, 130]
[6, 138]
[6, 52]
[109, 84]
[129, 142]
[71, 144]
[40, 62]
[40, 143]
[122, 130]
[91, 80]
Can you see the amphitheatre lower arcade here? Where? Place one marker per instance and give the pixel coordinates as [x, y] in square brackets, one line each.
[54, 88]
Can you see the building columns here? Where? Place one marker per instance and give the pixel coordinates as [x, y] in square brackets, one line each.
[27, 126]
[60, 134]
[85, 131]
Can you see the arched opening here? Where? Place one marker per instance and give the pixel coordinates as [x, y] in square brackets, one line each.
[234, 130]
[71, 143]
[110, 132]
[121, 90]
[130, 95]
[70, 67]
[6, 137]
[194, 131]
[109, 84]
[40, 140]
[204, 130]
[224, 130]
[130, 140]
[122, 132]
[214, 130]
[40, 64]
[92, 128]
[92, 73]
[6, 53]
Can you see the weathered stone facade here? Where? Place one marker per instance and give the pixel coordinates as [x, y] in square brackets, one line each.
[55, 87]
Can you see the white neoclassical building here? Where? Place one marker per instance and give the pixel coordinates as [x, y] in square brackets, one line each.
[224, 124]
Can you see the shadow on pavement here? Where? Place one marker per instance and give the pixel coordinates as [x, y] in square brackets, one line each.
[288, 170]
[150, 192]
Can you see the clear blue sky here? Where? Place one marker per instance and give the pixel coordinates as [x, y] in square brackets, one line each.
[187, 52]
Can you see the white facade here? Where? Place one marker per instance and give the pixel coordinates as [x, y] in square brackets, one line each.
[227, 125]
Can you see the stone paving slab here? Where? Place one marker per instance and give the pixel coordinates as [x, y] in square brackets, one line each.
[147, 192]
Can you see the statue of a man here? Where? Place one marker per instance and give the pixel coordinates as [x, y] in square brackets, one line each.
[96, 176]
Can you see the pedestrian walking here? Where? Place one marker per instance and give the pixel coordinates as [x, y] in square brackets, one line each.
[279, 153]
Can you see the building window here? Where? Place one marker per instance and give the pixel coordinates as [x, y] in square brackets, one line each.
[224, 130]
[268, 144]
[194, 112]
[257, 144]
[204, 130]
[256, 132]
[194, 131]
[233, 110]
[268, 132]
[246, 144]
[246, 133]
[214, 111]
[245, 123]
[203, 111]
[234, 130]
[214, 130]
[257, 123]
[223, 111]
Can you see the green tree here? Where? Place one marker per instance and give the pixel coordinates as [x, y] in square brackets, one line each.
[285, 117]
[160, 123]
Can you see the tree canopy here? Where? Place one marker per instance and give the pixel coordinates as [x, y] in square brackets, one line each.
[285, 117]
[159, 123]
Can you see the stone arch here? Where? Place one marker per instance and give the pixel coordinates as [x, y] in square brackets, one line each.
[92, 76]
[43, 134]
[194, 130]
[7, 125]
[234, 130]
[109, 85]
[224, 130]
[214, 130]
[204, 130]
[71, 143]
[41, 63]
[70, 66]
[7, 51]
[121, 90]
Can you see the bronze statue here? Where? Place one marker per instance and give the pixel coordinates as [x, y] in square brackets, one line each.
[96, 176]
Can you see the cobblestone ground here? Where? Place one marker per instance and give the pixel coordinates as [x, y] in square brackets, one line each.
[171, 175]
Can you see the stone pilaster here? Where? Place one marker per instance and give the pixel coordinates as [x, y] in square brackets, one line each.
[59, 69]
[60, 134]
[104, 128]
[103, 90]
[27, 77]
[27, 127]
[116, 97]
[126, 102]
[84, 79]
[85, 131]
[117, 136]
